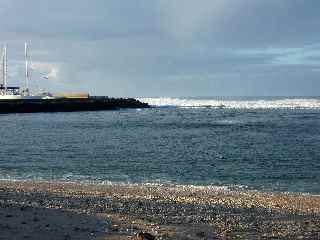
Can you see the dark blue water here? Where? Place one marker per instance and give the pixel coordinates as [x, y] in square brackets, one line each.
[263, 149]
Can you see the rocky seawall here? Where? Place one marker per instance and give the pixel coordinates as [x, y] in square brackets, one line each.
[68, 104]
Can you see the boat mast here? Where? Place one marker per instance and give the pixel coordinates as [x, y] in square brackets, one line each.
[5, 67]
[27, 68]
[2, 68]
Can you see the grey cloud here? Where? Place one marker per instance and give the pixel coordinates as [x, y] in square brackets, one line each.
[169, 47]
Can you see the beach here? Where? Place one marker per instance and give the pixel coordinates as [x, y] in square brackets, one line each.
[60, 210]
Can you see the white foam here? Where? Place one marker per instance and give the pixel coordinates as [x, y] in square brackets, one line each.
[285, 103]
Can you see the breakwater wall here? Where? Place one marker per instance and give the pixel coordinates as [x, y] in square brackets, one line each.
[68, 104]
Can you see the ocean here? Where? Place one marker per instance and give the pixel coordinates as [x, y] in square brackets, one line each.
[263, 144]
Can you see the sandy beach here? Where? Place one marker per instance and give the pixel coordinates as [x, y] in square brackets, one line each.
[45, 210]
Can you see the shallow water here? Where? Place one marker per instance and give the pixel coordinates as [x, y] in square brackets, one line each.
[274, 148]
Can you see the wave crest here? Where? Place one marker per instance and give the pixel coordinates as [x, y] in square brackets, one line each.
[285, 103]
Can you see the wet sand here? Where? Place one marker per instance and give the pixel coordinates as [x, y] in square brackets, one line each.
[43, 210]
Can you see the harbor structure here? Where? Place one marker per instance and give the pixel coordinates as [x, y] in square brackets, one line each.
[8, 92]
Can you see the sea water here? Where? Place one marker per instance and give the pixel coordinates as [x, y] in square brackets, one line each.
[265, 144]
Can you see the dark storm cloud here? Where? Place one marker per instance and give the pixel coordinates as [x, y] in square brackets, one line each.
[169, 47]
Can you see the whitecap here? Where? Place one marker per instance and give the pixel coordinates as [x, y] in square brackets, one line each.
[284, 103]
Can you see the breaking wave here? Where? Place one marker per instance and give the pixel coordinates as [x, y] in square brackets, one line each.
[283, 103]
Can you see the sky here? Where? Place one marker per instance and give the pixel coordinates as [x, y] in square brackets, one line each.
[166, 48]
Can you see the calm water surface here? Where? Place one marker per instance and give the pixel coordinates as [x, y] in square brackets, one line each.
[272, 149]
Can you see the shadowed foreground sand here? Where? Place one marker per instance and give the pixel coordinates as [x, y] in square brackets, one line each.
[34, 210]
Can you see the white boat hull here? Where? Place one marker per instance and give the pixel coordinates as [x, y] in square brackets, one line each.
[10, 97]
[17, 97]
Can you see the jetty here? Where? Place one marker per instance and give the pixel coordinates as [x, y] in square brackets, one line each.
[68, 104]
[20, 99]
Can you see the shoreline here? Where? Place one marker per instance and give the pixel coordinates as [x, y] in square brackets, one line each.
[190, 187]
[119, 212]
